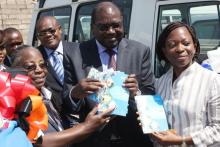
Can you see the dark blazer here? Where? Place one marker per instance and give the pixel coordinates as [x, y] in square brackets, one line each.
[52, 79]
[52, 125]
[132, 58]
[7, 61]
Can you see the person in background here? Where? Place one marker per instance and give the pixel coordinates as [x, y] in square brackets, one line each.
[32, 61]
[12, 39]
[191, 93]
[108, 49]
[2, 51]
[53, 49]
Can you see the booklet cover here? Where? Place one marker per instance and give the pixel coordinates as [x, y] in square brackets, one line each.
[112, 93]
[152, 113]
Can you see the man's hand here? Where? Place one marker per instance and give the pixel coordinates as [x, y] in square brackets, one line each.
[93, 121]
[131, 84]
[85, 87]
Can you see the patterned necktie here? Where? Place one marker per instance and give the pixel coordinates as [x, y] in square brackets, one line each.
[112, 61]
[58, 66]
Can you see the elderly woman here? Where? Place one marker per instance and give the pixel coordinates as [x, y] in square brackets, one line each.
[190, 92]
[32, 61]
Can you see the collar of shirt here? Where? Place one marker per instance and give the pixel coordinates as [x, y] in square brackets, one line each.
[102, 49]
[104, 57]
[46, 93]
[2, 67]
[59, 49]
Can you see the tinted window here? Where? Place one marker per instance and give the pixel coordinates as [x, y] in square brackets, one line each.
[205, 21]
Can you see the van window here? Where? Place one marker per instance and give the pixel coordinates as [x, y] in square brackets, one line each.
[202, 16]
[205, 21]
[82, 30]
[62, 14]
[169, 16]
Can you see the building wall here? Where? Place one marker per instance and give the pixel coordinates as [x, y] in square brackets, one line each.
[17, 14]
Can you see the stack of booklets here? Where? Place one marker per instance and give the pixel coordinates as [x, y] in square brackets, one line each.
[151, 112]
[112, 93]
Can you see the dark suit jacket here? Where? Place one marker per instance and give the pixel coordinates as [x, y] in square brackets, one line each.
[7, 61]
[52, 125]
[132, 58]
[52, 79]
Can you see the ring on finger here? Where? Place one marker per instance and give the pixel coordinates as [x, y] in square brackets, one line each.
[107, 120]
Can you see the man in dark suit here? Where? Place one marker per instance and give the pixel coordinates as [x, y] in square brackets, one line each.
[129, 56]
[53, 51]
[12, 39]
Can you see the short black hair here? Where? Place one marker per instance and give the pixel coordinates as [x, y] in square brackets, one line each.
[10, 30]
[43, 18]
[165, 33]
[99, 7]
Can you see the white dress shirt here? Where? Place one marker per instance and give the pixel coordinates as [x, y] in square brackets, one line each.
[104, 56]
[192, 103]
[59, 50]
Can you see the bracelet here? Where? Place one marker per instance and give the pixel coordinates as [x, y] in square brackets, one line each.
[183, 142]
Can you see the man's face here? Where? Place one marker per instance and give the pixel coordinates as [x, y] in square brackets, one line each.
[108, 27]
[13, 40]
[49, 33]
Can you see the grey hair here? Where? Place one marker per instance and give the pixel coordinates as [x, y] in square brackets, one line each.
[17, 55]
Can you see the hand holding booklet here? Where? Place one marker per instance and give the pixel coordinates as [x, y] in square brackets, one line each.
[112, 93]
[152, 114]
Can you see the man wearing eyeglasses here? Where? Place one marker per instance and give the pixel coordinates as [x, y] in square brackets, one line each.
[53, 50]
[109, 49]
[12, 39]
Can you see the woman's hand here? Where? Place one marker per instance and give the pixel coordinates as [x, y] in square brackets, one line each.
[167, 138]
[93, 120]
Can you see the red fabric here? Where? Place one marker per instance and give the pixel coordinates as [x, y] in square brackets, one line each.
[13, 92]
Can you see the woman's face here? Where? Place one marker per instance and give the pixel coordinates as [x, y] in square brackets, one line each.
[2, 54]
[180, 48]
[33, 62]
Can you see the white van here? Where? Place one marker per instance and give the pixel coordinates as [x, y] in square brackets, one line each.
[143, 20]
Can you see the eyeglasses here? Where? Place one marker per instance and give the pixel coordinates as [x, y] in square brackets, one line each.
[14, 45]
[50, 31]
[105, 27]
[33, 67]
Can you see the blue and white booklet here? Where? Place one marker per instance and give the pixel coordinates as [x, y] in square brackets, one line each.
[151, 112]
[112, 93]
